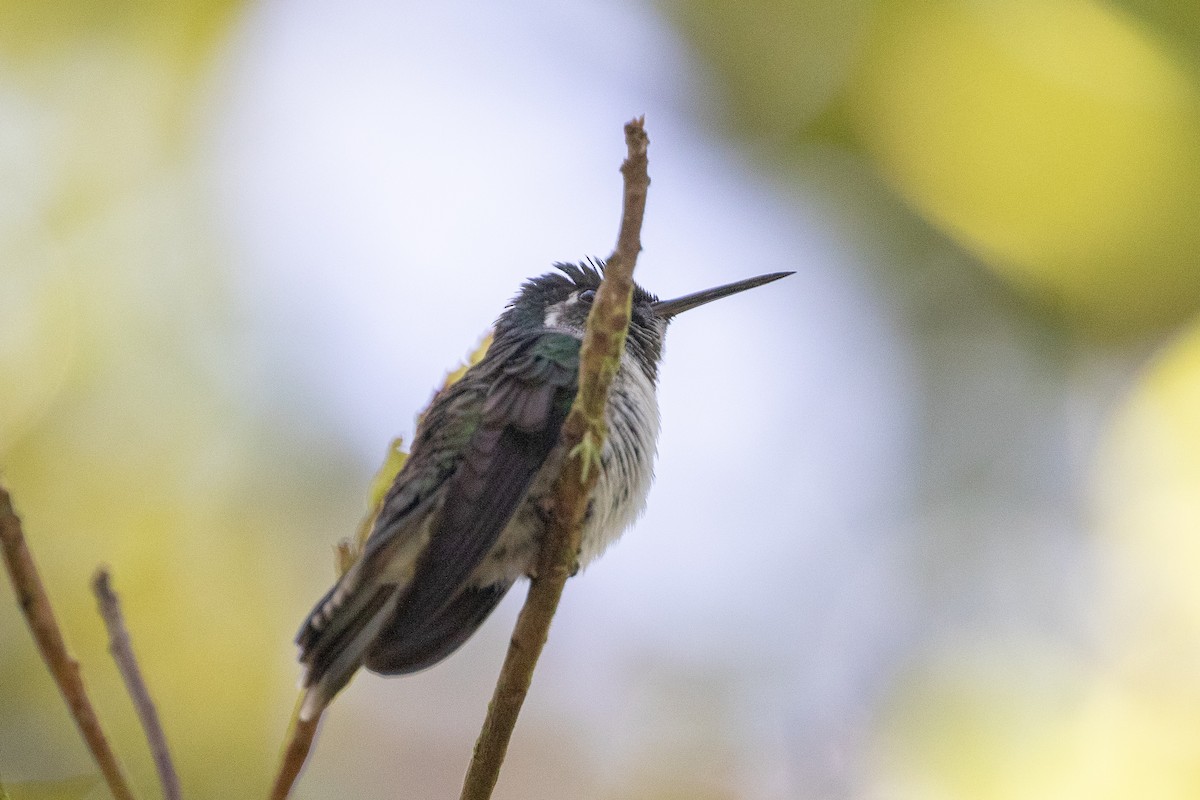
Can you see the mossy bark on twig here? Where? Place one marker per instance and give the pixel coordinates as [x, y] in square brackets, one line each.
[583, 434]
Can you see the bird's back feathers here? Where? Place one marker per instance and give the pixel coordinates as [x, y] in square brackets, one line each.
[410, 601]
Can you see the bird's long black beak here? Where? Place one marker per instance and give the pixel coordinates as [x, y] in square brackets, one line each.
[670, 308]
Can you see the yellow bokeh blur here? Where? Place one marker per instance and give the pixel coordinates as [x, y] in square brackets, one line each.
[1121, 724]
[119, 446]
[1147, 495]
[994, 728]
[778, 62]
[1056, 139]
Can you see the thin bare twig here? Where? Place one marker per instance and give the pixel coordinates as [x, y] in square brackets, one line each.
[583, 434]
[121, 647]
[296, 754]
[39, 614]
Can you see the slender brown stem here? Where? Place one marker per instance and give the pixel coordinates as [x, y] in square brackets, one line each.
[301, 733]
[296, 754]
[121, 647]
[39, 614]
[583, 435]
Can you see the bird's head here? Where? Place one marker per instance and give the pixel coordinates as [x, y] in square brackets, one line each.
[561, 301]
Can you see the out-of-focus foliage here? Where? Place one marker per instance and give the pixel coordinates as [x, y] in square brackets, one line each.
[349, 551]
[778, 63]
[1147, 499]
[179, 36]
[80, 788]
[1003, 730]
[1057, 140]
[122, 436]
[988, 723]
[393, 462]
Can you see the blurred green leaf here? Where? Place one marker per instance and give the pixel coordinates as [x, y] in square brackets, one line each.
[778, 63]
[1058, 141]
[77, 788]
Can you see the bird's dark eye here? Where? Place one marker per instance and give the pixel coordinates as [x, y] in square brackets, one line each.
[587, 295]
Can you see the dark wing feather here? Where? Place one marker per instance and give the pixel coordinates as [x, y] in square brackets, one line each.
[412, 650]
[522, 416]
[346, 621]
[322, 648]
[482, 451]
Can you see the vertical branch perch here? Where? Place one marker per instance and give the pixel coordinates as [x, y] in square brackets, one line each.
[583, 434]
[121, 648]
[35, 605]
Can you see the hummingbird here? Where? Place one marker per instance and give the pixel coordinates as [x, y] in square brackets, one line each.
[464, 517]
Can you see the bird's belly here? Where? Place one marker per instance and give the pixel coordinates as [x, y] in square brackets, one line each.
[627, 470]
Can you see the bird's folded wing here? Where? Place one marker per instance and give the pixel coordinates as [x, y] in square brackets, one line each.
[522, 416]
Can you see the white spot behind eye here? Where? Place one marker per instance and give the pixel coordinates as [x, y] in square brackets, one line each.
[554, 313]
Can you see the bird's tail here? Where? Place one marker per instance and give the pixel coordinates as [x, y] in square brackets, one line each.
[337, 634]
